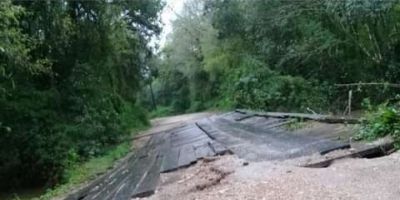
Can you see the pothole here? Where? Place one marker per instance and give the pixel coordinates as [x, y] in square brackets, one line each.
[369, 153]
[375, 155]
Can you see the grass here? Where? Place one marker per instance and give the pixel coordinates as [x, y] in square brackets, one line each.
[133, 119]
[89, 170]
[80, 173]
[86, 171]
[296, 125]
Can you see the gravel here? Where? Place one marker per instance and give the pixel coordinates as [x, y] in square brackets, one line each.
[227, 177]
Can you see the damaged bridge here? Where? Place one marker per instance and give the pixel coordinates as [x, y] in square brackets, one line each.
[249, 135]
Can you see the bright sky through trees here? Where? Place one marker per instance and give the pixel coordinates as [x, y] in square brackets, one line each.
[168, 15]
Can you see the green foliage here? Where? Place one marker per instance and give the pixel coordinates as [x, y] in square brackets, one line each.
[296, 124]
[381, 121]
[70, 73]
[173, 91]
[196, 106]
[133, 118]
[282, 55]
[282, 93]
[78, 173]
[162, 111]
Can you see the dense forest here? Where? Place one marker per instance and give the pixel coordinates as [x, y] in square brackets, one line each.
[76, 76]
[70, 72]
[280, 55]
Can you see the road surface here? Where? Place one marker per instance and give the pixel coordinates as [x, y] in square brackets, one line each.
[242, 156]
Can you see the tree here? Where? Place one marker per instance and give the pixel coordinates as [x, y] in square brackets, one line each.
[71, 72]
[313, 43]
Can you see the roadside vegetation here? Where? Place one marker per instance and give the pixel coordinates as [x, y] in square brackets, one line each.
[79, 173]
[70, 73]
[380, 121]
[279, 55]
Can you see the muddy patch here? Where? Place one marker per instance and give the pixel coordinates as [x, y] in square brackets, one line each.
[208, 174]
[213, 177]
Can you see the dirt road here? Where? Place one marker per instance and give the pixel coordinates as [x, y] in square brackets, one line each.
[158, 125]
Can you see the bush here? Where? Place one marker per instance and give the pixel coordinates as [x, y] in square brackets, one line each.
[381, 121]
[268, 91]
[77, 173]
[40, 141]
[196, 106]
[64, 99]
[162, 111]
[133, 117]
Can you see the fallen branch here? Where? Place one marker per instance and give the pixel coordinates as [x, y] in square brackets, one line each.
[393, 85]
[314, 117]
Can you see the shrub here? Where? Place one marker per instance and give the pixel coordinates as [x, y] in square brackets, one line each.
[162, 111]
[268, 91]
[196, 106]
[381, 121]
[133, 117]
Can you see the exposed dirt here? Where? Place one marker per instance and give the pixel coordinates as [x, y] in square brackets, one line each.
[228, 177]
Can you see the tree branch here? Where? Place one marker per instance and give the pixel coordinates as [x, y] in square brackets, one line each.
[368, 84]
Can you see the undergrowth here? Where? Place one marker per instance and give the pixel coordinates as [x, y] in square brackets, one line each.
[296, 124]
[83, 172]
[381, 121]
[161, 111]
